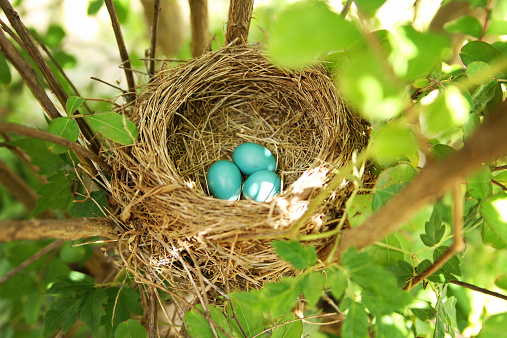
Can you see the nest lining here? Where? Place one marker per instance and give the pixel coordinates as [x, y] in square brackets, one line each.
[190, 116]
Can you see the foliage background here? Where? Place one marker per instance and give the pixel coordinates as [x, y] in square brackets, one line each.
[84, 44]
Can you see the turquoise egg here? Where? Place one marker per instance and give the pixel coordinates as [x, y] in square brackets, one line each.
[252, 157]
[261, 185]
[224, 180]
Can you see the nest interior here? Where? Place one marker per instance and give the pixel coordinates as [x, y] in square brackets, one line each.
[196, 113]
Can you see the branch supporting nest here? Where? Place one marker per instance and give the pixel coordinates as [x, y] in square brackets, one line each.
[66, 229]
[238, 23]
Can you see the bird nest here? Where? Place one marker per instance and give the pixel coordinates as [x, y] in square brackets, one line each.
[196, 113]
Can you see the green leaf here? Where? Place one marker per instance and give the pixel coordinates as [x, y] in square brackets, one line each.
[392, 326]
[478, 71]
[400, 173]
[434, 229]
[5, 72]
[359, 209]
[94, 6]
[121, 303]
[54, 35]
[295, 253]
[289, 330]
[494, 211]
[88, 207]
[337, 282]
[70, 254]
[386, 256]
[71, 288]
[491, 238]
[352, 260]
[479, 183]
[381, 197]
[452, 266]
[47, 162]
[479, 51]
[251, 323]
[318, 30]
[415, 53]
[278, 298]
[32, 307]
[467, 25]
[501, 177]
[441, 151]
[64, 127]
[73, 104]
[494, 326]
[450, 109]
[122, 10]
[17, 286]
[392, 142]
[130, 329]
[441, 319]
[486, 96]
[62, 313]
[93, 309]
[53, 195]
[113, 126]
[198, 326]
[424, 314]
[402, 272]
[420, 82]
[313, 285]
[369, 7]
[369, 87]
[355, 323]
[497, 27]
[501, 281]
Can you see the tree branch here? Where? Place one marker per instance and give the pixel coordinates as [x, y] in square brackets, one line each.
[28, 75]
[124, 55]
[20, 190]
[66, 229]
[479, 289]
[199, 26]
[489, 141]
[154, 32]
[77, 148]
[238, 23]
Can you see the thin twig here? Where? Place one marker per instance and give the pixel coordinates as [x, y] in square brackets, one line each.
[77, 148]
[124, 55]
[479, 289]
[457, 245]
[109, 84]
[30, 260]
[346, 8]
[154, 32]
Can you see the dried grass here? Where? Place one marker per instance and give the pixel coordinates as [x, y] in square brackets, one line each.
[196, 113]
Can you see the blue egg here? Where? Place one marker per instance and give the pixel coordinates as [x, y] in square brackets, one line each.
[224, 180]
[261, 185]
[252, 157]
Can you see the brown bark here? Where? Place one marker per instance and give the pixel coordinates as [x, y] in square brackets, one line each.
[238, 23]
[488, 142]
[66, 229]
[199, 26]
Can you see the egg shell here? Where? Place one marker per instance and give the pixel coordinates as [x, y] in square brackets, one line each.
[252, 157]
[261, 185]
[224, 180]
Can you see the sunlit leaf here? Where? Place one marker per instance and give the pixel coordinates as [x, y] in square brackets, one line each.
[497, 27]
[359, 209]
[198, 326]
[306, 30]
[434, 229]
[494, 326]
[251, 323]
[94, 6]
[452, 266]
[479, 183]
[113, 126]
[479, 51]
[54, 35]
[392, 326]
[387, 256]
[355, 323]
[478, 72]
[392, 142]
[369, 7]
[337, 281]
[494, 210]
[313, 285]
[400, 173]
[467, 25]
